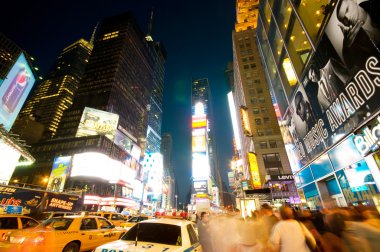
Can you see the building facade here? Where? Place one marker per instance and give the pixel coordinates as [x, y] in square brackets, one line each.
[325, 86]
[56, 93]
[104, 132]
[169, 178]
[260, 152]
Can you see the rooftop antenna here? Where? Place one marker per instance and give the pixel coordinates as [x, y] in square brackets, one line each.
[93, 34]
[148, 36]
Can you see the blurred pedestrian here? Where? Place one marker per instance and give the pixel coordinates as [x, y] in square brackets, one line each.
[290, 235]
[204, 232]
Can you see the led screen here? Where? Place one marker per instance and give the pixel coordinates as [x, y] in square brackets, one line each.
[97, 122]
[14, 90]
[200, 164]
[199, 143]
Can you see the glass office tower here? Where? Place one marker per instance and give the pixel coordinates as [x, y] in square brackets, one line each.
[326, 85]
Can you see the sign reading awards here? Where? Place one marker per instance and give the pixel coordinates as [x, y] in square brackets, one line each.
[341, 85]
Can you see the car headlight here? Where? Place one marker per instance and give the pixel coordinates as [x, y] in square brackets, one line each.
[16, 239]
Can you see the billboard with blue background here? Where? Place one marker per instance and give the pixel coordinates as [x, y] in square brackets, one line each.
[14, 90]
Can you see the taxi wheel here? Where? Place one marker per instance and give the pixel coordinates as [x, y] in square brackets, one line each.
[71, 247]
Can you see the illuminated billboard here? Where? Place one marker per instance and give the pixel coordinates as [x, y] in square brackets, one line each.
[200, 186]
[200, 164]
[245, 121]
[14, 90]
[99, 165]
[199, 121]
[8, 161]
[254, 168]
[340, 87]
[97, 122]
[58, 175]
[235, 127]
[199, 143]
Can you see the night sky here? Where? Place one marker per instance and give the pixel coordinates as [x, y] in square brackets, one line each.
[197, 36]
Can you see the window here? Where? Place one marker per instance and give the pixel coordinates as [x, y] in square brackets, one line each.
[192, 234]
[28, 223]
[259, 90]
[253, 65]
[260, 132]
[264, 110]
[155, 233]
[258, 121]
[272, 164]
[251, 92]
[269, 132]
[105, 224]
[246, 66]
[266, 120]
[262, 100]
[256, 111]
[8, 223]
[58, 223]
[272, 144]
[263, 145]
[253, 100]
[257, 81]
[88, 224]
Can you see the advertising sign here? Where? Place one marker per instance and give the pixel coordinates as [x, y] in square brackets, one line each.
[14, 210]
[254, 168]
[38, 201]
[199, 121]
[97, 122]
[283, 177]
[231, 179]
[200, 165]
[199, 143]
[8, 161]
[200, 186]
[342, 82]
[14, 90]
[245, 121]
[58, 175]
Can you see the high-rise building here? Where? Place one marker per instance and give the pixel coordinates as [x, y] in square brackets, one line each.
[55, 94]
[206, 170]
[324, 80]
[262, 153]
[166, 151]
[104, 132]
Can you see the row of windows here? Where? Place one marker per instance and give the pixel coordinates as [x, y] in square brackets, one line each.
[264, 120]
[267, 132]
[268, 144]
[253, 66]
[255, 100]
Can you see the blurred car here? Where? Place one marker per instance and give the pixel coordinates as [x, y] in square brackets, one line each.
[66, 234]
[132, 221]
[10, 222]
[157, 235]
[115, 218]
[47, 215]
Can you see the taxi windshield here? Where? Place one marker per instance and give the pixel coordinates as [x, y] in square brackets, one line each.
[43, 216]
[58, 223]
[155, 233]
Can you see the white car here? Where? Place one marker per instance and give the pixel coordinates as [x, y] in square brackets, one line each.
[163, 235]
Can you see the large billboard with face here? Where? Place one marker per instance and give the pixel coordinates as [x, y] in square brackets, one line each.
[97, 122]
[14, 90]
[341, 84]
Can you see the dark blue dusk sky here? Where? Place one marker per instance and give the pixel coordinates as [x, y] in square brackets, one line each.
[196, 34]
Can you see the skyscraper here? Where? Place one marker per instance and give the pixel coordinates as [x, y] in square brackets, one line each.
[262, 149]
[55, 94]
[108, 119]
[166, 151]
[206, 172]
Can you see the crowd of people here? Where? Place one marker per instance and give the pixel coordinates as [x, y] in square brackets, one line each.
[349, 229]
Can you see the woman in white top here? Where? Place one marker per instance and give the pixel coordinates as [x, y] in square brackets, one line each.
[289, 235]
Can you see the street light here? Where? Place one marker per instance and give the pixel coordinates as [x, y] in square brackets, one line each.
[176, 197]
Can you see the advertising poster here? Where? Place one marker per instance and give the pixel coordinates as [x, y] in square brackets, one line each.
[97, 122]
[254, 167]
[200, 186]
[342, 81]
[61, 168]
[14, 90]
[38, 201]
[8, 161]
[199, 143]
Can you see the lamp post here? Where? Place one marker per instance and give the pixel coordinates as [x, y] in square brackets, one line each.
[176, 198]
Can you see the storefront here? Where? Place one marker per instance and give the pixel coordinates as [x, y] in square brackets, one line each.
[348, 174]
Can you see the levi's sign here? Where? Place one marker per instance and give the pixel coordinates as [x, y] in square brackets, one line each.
[283, 177]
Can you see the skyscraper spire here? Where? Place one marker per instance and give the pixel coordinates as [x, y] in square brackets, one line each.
[93, 34]
[148, 36]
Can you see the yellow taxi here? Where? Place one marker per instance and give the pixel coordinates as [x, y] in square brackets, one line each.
[157, 235]
[132, 221]
[12, 222]
[116, 218]
[66, 234]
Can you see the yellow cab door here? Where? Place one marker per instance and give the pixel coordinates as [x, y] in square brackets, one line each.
[89, 233]
[107, 231]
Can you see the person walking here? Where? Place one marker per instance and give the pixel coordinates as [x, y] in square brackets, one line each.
[289, 235]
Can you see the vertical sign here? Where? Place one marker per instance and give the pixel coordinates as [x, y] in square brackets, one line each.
[61, 168]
